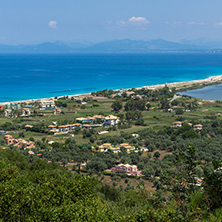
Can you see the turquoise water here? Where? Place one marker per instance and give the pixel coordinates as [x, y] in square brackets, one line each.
[208, 93]
[39, 76]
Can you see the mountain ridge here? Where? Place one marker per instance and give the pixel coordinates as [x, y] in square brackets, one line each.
[114, 46]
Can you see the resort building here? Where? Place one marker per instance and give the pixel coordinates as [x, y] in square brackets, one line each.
[67, 128]
[198, 127]
[51, 127]
[99, 117]
[64, 128]
[177, 124]
[126, 168]
[86, 126]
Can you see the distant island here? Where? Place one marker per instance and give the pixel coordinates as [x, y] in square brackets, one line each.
[116, 46]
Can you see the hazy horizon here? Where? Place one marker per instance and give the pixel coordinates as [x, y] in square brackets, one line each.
[28, 22]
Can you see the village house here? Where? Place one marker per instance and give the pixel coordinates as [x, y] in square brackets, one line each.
[47, 103]
[13, 106]
[127, 147]
[28, 126]
[177, 124]
[101, 148]
[31, 152]
[57, 111]
[111, 120]
[127, 169]
[8, 113]
[137, 97]
[198, 127]
[115, 149]
[19, 142]
[129, 93]
[104, 147]
[26, 112]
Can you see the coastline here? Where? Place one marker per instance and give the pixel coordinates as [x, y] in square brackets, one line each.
[184, 85]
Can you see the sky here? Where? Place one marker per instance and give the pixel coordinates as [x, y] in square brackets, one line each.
[33, 22]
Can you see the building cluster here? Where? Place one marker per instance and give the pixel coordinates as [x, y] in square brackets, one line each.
[13, 106]
[20, 143]
[47, 103]
[107, 121]
[68, 127]
[180, 124]
[85, 123]
[116, 149]
[127, 169]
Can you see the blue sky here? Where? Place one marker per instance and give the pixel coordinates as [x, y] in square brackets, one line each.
[29, 21]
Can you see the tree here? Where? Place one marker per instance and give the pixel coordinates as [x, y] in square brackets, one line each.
[179, 111]
[148, 171]
[156, 155]
[164, 104]
[21, 134]
[213, 184]
[181, 181]
[97, 165]
[117, 105]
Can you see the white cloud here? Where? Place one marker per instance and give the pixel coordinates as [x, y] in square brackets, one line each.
[196, 23]
[174, 24]
[52, 24]
[3, 37]
[138, 21]
[121, 23]
[219, 24]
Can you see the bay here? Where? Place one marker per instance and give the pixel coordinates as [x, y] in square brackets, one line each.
[31, 76]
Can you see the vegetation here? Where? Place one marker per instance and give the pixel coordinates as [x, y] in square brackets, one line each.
[68, 179]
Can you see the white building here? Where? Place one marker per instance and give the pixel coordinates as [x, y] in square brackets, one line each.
[111, 120]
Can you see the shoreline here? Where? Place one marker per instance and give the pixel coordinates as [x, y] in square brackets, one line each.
[183, 85]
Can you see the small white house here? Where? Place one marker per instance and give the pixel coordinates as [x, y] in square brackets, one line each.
[111, 120]
[177, 124]
[198, 127]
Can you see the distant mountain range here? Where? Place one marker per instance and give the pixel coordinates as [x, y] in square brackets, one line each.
[115, 46]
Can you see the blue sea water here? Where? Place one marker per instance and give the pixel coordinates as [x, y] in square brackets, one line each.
[32, 76]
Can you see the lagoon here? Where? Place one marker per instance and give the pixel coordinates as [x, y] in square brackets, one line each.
[213, 92]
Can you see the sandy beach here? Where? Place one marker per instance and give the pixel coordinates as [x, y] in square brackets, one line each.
[185, 84]
[177, 85]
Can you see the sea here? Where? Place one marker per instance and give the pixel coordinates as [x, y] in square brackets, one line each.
[32, 76]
